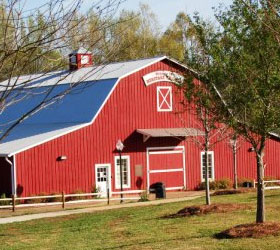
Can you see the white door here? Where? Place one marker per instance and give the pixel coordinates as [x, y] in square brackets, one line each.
[103, 178]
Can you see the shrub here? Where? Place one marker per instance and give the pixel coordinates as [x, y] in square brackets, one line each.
[55, 199]
[218, 184]
[77, 197]
[4, 203]
[202, 185]
[144, 197]
[224, 183]
[36, 200]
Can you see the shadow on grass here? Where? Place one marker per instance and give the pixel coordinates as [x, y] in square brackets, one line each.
[147, 242]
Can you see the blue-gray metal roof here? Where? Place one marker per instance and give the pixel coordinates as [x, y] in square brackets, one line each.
[75, 110]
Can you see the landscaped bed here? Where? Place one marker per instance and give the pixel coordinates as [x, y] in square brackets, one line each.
[145, 228]
[204, 209]
[252, 230]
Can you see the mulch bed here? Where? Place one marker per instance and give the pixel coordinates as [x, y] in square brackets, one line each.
[205, 209]
[233, 191]
[253, 230]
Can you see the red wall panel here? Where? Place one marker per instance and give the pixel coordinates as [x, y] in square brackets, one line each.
[132, 105]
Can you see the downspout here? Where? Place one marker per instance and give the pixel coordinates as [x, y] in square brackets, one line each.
[13, 174]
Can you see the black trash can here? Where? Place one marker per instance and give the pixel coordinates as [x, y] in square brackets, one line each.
[159, 189]
[247, 184]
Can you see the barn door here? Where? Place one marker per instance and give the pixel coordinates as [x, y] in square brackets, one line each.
[103, 178]
[167, 165]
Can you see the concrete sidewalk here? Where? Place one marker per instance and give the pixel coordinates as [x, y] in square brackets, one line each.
[91, 209]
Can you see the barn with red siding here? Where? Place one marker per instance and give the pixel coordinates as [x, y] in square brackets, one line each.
[71, 144]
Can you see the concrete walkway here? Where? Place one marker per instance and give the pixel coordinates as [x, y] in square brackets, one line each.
[91, 209]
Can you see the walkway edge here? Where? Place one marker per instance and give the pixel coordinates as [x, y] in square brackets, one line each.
[28, 217]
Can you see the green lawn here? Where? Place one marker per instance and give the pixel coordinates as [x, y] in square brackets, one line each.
[142, 228]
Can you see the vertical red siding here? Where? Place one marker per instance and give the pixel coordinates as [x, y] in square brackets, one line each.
[132, 105]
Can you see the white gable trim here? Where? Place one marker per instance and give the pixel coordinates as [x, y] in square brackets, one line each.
[99, 110]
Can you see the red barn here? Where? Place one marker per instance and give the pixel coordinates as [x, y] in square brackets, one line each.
[71, 144]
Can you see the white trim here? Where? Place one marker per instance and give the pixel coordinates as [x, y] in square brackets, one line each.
[174, 188]
[165, 152]
[151, 150]
[148, 170]
[109, 179]
[169, 92]
[127, 157]
[167, 170]
[162, 148]
[15, 175]
[184, 167]
[201, 166]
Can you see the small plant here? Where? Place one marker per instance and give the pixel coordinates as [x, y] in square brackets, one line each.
[144, 197]
[4, 203]
[95, 190]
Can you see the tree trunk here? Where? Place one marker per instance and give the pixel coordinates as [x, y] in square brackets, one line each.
[207, 188]
[260, 218]
[235, 165]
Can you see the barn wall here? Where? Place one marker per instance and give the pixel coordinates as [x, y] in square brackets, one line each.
[132, 105]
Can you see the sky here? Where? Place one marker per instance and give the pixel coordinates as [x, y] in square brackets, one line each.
[166, 10]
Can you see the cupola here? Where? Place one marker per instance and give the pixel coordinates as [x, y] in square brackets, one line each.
[80, 58]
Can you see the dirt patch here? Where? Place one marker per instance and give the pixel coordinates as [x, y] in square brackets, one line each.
[232, 191]
[254, 230]
[204, 209]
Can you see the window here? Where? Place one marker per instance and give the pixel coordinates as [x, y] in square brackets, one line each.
[125, 172]
[210, 165]
[164, 98]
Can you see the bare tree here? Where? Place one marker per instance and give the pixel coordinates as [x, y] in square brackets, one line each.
[38, 40]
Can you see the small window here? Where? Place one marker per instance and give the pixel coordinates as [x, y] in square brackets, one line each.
[164, 98]
[125, 172]
[210, 166]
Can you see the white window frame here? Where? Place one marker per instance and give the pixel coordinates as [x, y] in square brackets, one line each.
[213, 165]
[124, 157]
[159, 109]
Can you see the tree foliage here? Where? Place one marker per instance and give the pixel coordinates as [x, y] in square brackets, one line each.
[239, 64]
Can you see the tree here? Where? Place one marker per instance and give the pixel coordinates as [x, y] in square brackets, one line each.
[200, 103]
[36, 41]
[178, 37]
[239, 64]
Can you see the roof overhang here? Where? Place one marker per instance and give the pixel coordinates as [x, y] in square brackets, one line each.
[169, 132]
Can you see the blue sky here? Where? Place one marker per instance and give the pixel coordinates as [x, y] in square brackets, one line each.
[166, 10]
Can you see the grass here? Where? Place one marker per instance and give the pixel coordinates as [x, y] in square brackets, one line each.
[144, 228]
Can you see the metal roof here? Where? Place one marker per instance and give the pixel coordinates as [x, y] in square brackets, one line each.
[94, 73]
[169, 132]
[74, 111]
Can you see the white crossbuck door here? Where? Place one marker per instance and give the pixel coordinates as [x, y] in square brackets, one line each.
[164, 98]
[103, 178]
